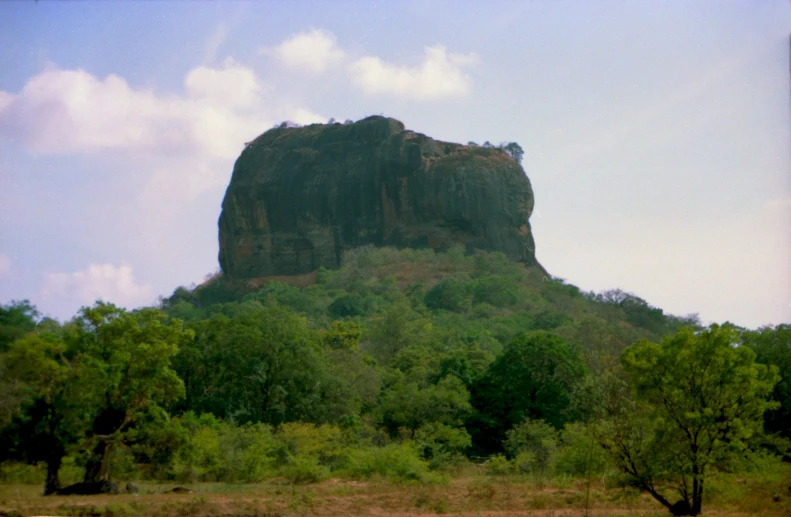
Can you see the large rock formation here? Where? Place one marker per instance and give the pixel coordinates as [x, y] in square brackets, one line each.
[299, 197]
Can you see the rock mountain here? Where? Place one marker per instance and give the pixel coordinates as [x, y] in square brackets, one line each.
[300, 196]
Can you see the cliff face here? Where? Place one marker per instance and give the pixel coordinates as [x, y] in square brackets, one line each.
[299, 197]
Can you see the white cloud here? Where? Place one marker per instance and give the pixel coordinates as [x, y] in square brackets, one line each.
[184, 143]
[5, 265]
[72, 111]
[98, 282]
[304, 117]
[314, 51]
[439, 75]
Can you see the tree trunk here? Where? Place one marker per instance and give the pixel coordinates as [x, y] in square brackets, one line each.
[697, 496]
[96, 469]
[52, 483]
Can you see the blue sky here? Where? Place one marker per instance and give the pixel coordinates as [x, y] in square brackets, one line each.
[656, 134]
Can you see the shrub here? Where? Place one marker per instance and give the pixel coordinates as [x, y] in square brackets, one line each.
[495, 290]
[534, 443]
[304, 469]
[450, 294]
[348, 306]
[398, 462]
[499, 465]
[578, 454]
[441, 444]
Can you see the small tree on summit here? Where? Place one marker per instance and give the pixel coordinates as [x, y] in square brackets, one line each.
[515, 150]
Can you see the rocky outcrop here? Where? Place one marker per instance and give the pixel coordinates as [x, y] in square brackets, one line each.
[299, 197]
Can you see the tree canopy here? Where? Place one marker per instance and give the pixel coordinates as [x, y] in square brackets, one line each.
[686, 403]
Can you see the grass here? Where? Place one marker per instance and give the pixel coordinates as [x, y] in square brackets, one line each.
[469, 496]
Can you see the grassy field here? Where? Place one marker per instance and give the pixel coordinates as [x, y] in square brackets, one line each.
[464, 496]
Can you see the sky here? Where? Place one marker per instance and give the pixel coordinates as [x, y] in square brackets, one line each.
[656, 134]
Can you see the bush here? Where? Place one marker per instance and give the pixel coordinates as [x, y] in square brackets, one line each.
[579, 454]
[322, 444]
[222, 451]
[534, 443]
[499, 465]
[495, 290]
[348, 306]
[304, 469]
[450, 294]
[441, 444]
[399, 462]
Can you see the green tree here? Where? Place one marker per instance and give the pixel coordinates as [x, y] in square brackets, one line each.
[127, 357]
[52, 412]
[16, 319]
[398, 327]
[533, 378]
[261, 365]
[533, 444]
[450, 294]
[690, 401]
[409, 405]
[514, 150]
[772, 345]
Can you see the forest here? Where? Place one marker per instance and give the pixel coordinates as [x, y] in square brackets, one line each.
[409, 367]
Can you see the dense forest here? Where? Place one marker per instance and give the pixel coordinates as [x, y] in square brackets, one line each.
[407, 365]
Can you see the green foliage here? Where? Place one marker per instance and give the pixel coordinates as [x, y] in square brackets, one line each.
[534, 445]
[127, 357]
[407, 404]
[533, 378]
[772, 346]
[397, 327]
[398, 462]
[578, 453]
[50, 411]
[444, 354]
[441, 444]
[450, 294]
[514, 150]
[498, 291]
[698, 399]
[348, 306]
[498, 465]
[262, 365]
[16, 319]
[343, 335]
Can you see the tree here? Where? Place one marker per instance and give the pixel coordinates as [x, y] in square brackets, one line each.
[16, 319]
[684, 404]
[514, 150]
[772, 345]
[410, 405]
[127, 357]
[261, 365]
[533, 378]
[52, 412]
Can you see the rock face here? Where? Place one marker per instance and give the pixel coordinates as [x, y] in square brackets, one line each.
[299, 197]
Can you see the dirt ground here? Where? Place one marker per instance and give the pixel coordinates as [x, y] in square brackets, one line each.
[468, 497]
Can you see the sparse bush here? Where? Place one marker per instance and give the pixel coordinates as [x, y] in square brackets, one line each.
[304, 469]
[395, 461]
[499, 465]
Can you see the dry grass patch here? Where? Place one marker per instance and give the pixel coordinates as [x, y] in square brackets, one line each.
[471, 496]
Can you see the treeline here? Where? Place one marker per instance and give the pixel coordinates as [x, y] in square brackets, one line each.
[406, 364]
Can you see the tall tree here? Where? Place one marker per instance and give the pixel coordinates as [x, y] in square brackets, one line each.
[127, 357]
[16, 319]
[51, 415]
[690, 401]
[772, 345]
[533, 378]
